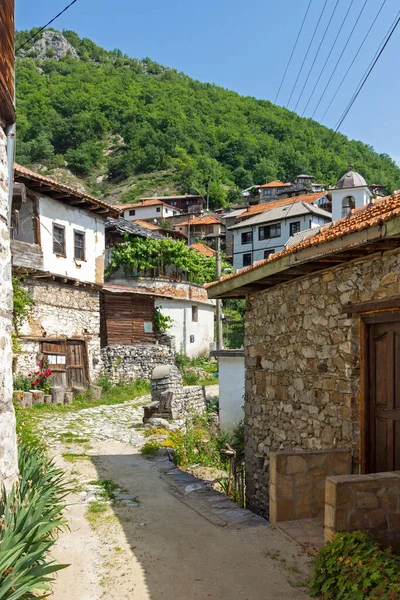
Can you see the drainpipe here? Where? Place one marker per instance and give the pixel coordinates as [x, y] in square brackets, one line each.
[10, 133]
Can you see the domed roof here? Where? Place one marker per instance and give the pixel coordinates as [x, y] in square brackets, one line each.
[351, 179]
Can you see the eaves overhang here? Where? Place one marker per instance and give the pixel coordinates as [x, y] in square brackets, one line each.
[309, 260]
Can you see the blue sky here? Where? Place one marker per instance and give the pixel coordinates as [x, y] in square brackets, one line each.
[245, 46]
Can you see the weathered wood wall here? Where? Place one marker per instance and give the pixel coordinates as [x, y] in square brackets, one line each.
[124, 317]
[7, 111]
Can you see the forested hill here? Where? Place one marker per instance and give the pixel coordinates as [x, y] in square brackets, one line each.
[125, 126]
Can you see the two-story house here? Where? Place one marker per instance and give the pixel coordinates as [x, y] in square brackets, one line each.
[149, 209]
[58, 247]
[186, 203]
[206, 227]
[265, 233]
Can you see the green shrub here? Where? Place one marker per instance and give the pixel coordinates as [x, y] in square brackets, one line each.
[30, 517]
[104, 382]
[198, 444]
[22, 382]
[150, 448]
[353, 567]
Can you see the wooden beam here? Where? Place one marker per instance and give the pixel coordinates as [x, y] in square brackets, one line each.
[372, 306]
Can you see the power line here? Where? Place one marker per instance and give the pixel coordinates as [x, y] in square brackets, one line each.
[317, 53]
[340, 58]
[293, 49]
[329, 55]
[306, 54]
[369, 71]
[355, 57]
[44, 26]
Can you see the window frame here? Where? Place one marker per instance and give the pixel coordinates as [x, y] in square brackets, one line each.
[243, 235]
[82, 234]
[276, 226]
[298, 224]
[63, 253]
[195, 313]
[158, 209]
[132, 212]
[268, 252]
[243, 259]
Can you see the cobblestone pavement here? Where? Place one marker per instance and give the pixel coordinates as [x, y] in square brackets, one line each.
[119, 422]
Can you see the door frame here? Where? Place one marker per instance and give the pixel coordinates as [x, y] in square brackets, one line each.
[64, 339]
[366, 320]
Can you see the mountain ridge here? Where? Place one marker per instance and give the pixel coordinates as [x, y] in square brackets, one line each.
[122, 127]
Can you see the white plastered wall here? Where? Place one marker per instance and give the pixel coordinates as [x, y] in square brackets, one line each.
[180, 311]
[231, 390]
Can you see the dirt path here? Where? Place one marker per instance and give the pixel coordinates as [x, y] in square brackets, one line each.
[148, 544]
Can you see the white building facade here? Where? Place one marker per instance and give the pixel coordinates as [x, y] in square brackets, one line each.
[147, 210]
[351, 191]
[256, 238]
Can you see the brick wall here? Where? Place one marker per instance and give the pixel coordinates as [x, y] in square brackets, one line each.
[370, 502]
[297, 482]
[302, 365]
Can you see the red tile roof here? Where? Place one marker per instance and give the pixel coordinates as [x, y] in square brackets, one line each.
[260, 208]
[203, 249]
[275, 184]
[147, 224]
[22, 174]
[206, 220]
[376, 215]
[149, 202]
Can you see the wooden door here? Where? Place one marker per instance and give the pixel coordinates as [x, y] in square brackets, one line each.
[54, 356]
[76, 363]
[383, 418]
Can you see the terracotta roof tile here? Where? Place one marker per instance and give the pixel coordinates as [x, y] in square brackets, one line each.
[206, 220]
[260, 208]
[147, 224]
[203, 249]
[376, 215]
[275, 184]
[22, 172]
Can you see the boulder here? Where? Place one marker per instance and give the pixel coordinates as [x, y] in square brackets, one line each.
[158, 423]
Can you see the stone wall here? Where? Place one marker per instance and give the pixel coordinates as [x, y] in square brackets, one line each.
[302, 364]
[370, 502]
[124, 363]
[183, 401]
[60, 311]
[297, 482]
[8, 442]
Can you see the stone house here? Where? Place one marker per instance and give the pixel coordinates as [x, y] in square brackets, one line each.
[321, 355]
[203, 227]
[8, 445]
[58, 246]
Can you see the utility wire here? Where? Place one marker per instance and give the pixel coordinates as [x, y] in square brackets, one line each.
[340, 58]
[369, 71]
[293, 49]
[328, 57]
[354, 59]
[44, 26]
[306, 54]
[316, 54]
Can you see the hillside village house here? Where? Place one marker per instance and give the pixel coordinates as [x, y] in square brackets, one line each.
[321, 356]
[150, 209]
[256, 238]
[277, 190]
[131, 296]
[58, 246]
[206, 227]
[186, 203]
[8, 446]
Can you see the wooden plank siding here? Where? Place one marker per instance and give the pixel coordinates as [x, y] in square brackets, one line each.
[7, 110]
[124, 318]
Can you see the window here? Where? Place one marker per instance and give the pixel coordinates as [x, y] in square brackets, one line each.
[247, 237]
[294, 227]
[132, 213]
[348, 204]
[268, 252]
[247, 259]
[195, 314]
[59, 240]
[79, 245]
[267, 192]
[148, 326]
[158, 209]
[269, 231]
